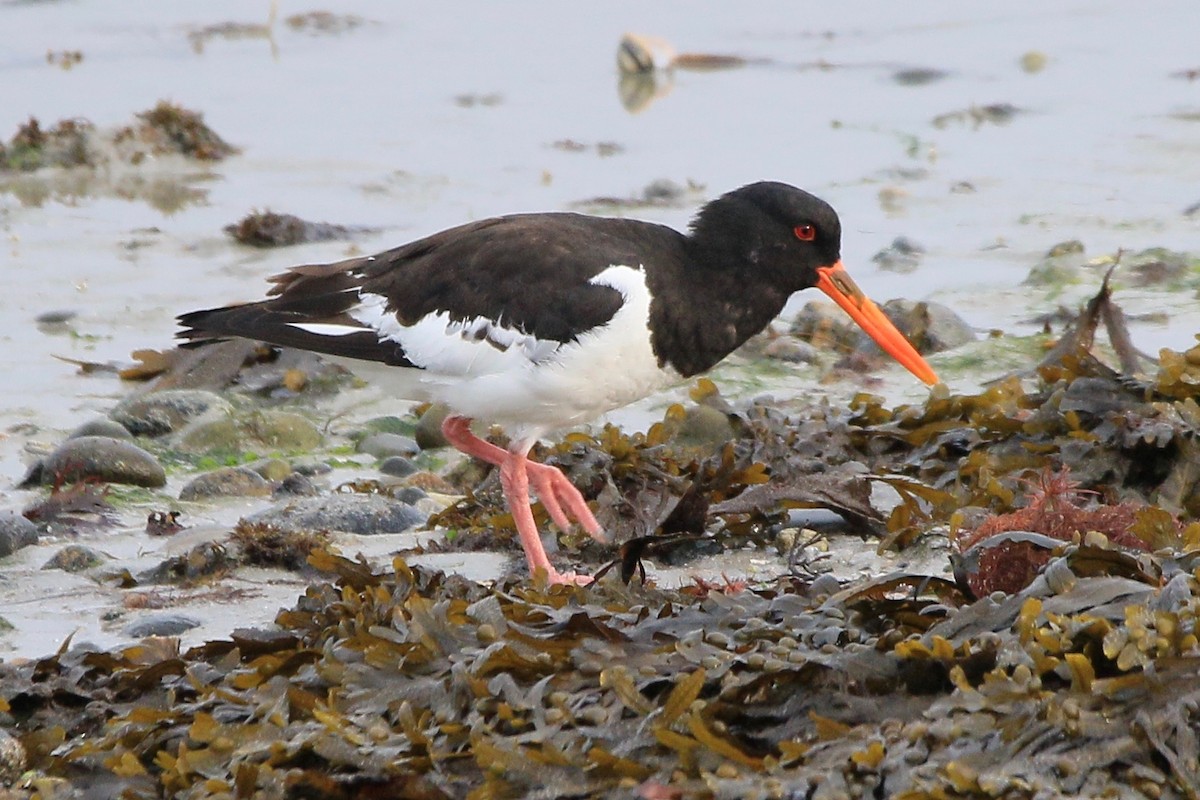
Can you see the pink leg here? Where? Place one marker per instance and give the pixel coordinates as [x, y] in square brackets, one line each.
[516, 470]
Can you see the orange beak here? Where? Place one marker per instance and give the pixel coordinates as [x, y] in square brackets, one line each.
[835, 282]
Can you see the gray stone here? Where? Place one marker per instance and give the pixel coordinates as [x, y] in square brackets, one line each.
[398, 467]
[102, 458]
[353, 513]
[15, 532]
[161, 625]
[939, 327]
[297, 485]
[159, 413]
[385, 445]
[226, 482]
[101, 426]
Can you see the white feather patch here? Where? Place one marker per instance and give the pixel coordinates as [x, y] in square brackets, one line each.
[444, 346]
[482, 368]
[326, 328]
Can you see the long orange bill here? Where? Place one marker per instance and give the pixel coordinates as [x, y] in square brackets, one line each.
[835, 282]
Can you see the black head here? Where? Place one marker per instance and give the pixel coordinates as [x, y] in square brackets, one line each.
[779, 234]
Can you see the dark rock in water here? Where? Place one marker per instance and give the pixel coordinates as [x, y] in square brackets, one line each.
[902, 255]
[409, 494]
[161, 625]
[101, 458]
[398, 467]
[297, 485]
[226, 482]
[931, 327]
[385, 445]
[15, 532]
[74, 558]
[269, 229]
[160, 413]
[101, 427]
[353, 513]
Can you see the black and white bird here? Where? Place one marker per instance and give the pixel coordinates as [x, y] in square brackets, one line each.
[544, 321]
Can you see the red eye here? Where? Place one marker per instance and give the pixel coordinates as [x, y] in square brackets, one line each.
[806, 232]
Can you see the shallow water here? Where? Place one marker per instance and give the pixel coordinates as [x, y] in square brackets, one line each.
[414, 121]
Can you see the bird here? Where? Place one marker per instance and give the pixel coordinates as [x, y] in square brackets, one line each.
[543, 321]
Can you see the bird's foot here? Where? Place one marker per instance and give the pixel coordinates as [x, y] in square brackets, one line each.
[563, 502]
[554, 577]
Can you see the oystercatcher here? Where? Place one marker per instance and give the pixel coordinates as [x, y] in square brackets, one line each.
[542, 321]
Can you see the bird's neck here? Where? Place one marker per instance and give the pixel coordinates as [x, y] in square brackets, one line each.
[720, 310]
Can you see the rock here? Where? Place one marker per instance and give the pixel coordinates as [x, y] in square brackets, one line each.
[353, 513]
[390, 424]
[902, 255]
[15, 532]
[286, 431]
[74, 558]
[431, 482]
[704, 428]
[226, 482]
[932, 327]
[102, 458]
[273, 469]
[398, 467]
[296, 485]
[277, 430]
[385, 445]
[409, 494]
[160, 413]
[12, 760]
[791, 350]
[161, 625]
[428, 432]
[101, 426]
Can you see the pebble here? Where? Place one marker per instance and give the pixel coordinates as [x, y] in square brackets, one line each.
[101, 426]
[160, 413]
[277, 430]
[389, 424]
[12, 759]
[704, 428]
[296, 485]
[15, 532]
[273, 469]
[386, 445]
[941, 328]
[161, 625]
[428, 432]
[398, 467]
[902, 255]
[104, 459]
[353, 513]
[286, 430]
[74, 558]
[226, 482]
